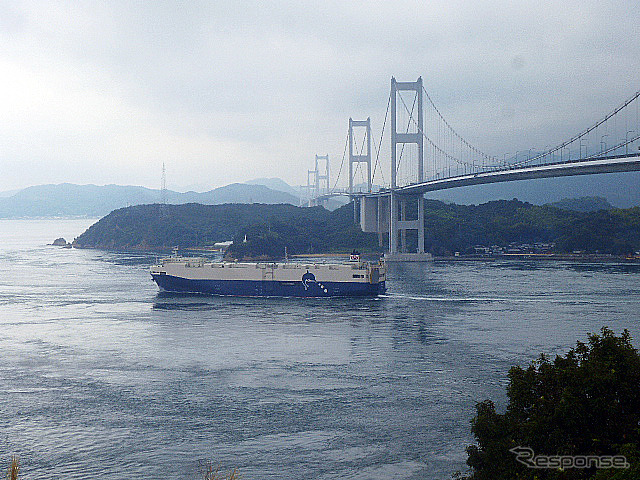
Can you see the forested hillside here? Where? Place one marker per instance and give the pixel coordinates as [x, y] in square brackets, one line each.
[448, 228]
[268, 228]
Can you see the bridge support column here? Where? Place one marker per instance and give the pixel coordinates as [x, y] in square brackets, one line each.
[400, 220]
[369, 214]
[394, 214]
[403, 231]
[355, 210]
[393, 223]
[420, 224]
[378, 221]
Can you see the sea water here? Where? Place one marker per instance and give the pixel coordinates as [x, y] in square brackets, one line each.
[101, 375]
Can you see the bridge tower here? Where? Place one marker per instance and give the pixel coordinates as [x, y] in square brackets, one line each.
[360, 157]
[399, 203]
[322, 178]
[357, 158]
[311, 187]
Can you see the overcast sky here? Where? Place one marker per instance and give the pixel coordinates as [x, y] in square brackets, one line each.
[225, 91]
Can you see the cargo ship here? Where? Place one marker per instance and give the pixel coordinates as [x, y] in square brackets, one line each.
[355, 278]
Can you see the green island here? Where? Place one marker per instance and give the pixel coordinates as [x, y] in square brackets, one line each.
[263, 231]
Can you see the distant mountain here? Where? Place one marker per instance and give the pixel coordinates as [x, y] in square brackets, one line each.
[242, 193]
[583, 204]
[73, 200]
[95, 201]
[274, 184]
[9, 193]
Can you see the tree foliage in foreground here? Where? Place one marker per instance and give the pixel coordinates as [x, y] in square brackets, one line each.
[585, 403]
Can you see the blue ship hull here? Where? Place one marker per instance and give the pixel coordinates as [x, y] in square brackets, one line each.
[252, 288]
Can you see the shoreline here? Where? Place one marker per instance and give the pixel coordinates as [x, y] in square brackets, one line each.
[564, 257]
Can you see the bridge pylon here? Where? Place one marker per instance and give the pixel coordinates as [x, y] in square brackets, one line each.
[318, 183]
[360, 157]
[399, 203]
[311, 187]
[357, 157]
[322, 179]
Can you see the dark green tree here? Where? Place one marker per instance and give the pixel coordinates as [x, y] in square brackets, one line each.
[585, 403]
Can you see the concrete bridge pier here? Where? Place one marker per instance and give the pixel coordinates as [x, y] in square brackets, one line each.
[393, 223]
[403, 218]
[382, 219]
[392, 215]
[357, 215]
[401, 224]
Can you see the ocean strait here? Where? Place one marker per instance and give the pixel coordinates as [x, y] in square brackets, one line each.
[103, 376]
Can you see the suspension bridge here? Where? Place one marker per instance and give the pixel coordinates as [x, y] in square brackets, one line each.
[428, 154]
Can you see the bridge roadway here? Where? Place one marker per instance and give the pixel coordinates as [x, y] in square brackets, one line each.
[381, 216]
[610, 164]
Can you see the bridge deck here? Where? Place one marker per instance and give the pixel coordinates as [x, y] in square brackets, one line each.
[618, 163]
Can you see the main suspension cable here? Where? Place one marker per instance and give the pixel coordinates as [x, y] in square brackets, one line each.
[384, 123]
[344, 153]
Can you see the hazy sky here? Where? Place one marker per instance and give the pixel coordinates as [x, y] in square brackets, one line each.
[222, 91]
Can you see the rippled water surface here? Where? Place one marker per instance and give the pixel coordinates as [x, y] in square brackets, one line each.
[102, 375]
